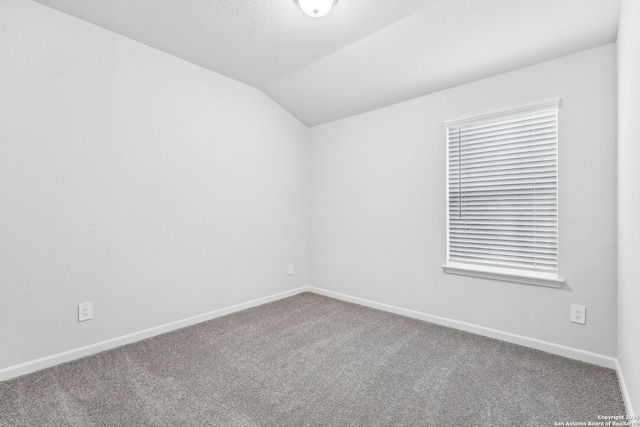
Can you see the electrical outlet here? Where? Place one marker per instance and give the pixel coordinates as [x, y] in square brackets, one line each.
[578, 314]
[85, 311]
[290, 270]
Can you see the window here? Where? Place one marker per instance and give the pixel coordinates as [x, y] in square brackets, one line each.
[502, 196]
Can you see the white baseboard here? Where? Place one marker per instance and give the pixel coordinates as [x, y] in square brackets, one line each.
[67, 356]
[560, 350]
[572, 353]
[625, 392]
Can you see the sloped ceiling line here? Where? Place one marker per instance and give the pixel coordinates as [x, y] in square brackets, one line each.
[365, 54]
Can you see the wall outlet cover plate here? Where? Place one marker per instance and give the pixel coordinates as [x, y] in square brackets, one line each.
[578, 314]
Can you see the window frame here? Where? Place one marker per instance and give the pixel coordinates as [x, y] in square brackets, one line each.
[551, 280]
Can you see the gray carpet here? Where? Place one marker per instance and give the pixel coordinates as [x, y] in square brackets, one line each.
[313, 361]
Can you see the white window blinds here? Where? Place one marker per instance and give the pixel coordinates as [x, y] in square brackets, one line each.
[503, 191]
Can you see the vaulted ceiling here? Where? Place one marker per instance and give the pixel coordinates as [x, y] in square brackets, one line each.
[365, 54]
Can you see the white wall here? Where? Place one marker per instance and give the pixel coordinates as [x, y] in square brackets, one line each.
[150, 186]
[159, 190]
[377, 205]
[629, 199]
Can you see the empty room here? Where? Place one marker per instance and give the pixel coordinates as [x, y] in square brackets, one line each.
[319, 213]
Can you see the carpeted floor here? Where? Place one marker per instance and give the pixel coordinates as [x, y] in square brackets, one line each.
[309, 360]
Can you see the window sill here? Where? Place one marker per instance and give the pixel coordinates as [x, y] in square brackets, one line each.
[504, 275]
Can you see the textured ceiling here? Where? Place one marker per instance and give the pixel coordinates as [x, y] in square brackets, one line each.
[366, 53]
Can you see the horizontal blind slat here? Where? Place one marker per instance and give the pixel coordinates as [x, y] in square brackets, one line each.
[502, 186]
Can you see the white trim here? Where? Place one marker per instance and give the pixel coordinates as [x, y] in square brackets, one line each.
[557, 349]
[569, 352]
[446, 200]
[553, 103]
[625, 392]
[559, 248]
[66, 356]
[504, 275]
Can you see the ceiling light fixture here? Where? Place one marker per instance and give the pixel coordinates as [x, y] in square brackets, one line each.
[316, 8]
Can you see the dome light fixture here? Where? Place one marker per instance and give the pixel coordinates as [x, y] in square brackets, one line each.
[316, 8]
